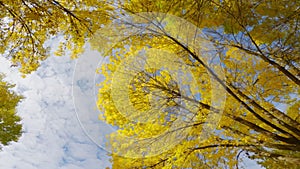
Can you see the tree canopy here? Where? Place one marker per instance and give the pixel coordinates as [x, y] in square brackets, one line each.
[10, 127]
[164, 116]
[27, 25]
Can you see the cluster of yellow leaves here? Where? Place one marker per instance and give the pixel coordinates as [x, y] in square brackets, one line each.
[152, 121]
[27, 25]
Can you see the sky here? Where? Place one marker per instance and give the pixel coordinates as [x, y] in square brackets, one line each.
[57, 133]
[59, 116]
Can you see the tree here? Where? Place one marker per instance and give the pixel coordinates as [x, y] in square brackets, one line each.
[27, 25]
[10, 127]
[162, 117]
